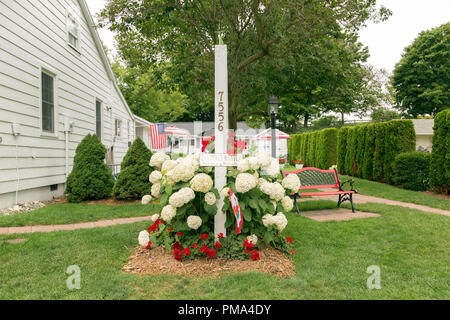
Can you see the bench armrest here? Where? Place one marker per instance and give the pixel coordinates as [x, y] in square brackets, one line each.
[350, 182]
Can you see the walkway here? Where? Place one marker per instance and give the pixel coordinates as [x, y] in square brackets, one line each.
[359, 198]
[321, 215]
[75, 226]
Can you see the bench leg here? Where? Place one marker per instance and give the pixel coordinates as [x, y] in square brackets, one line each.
[296, 204]
[346, 197]
[339, 201]
[351, 201]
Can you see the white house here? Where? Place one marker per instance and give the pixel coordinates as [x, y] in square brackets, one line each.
[424, 134]
[56, 86]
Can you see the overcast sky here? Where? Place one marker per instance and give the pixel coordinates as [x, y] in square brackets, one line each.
[385, 40]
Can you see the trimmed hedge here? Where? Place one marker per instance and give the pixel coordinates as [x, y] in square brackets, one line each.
[316, 149]
[400, 137]
[368, 151]
[90, 179]
[132, 181]
[342, 148]
[440, 154]
[412, 170]
[369, 147]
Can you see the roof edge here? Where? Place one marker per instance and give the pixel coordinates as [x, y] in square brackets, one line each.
[98, 44]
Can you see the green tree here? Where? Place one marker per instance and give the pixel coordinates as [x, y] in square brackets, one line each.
[256, 32]
[132, 181]
[422, 77]
[384, 114]
[90, 179]
[145, 99]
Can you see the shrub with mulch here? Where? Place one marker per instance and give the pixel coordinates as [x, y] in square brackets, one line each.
[159, 261]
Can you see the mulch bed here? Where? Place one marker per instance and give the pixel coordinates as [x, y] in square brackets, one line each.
[159, 261]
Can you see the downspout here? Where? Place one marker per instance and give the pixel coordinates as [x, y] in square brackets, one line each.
[68, 125]
[15, 128]
[17, 170]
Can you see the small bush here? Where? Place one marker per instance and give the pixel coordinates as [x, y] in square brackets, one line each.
[440, 155]
[132, 181]
[412, 170]
[90, 179]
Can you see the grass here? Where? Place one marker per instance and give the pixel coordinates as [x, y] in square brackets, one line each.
[72, 213]
[410, 247]
[387, 191]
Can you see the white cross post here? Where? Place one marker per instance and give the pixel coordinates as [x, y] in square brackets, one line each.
[220, 129]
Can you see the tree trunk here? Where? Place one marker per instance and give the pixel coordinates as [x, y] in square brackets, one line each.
[305, 121]
[342, 118]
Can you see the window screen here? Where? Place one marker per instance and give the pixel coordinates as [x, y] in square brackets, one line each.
[48, 107]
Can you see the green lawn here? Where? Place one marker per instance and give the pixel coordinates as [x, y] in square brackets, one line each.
[386, 191]
[410, 247]
[73, 213]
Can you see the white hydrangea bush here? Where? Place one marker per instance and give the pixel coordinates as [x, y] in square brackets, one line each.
[188, 199]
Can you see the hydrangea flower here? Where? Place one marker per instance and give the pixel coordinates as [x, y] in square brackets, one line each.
[287, 203]
[143, 238]
[291, 182]
[210, 198]
[224, 192]
[243, 165]
[155, 190]
[168, 165]
[194, 222]
[181, 197]
[146, 199]
[155, 176]
[202, 183]
[253, 239]
[168, 212]
[245, 182]
[158, 159]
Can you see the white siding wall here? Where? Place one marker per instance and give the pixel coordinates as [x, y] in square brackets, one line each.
[33, 36]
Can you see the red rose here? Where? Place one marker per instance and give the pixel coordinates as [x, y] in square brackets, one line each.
[195, 245]
[292, 251]
[176, 245]
[177, 254]
[179, 234]
[289, 239]
[211, 253]
[203, 236]
[255, 255]
[220, 235]
[149, 244]
[187, 251]
[170, 229]
[204, 249]
[248, 245]
[218, 245]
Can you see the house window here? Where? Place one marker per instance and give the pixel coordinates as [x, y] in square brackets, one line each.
[98, 119]
[118, 126]
[72, 31]
[48, 105]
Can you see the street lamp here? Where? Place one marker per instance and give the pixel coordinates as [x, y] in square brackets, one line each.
[273, 110]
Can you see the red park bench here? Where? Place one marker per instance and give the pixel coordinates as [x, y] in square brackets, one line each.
[314, 178]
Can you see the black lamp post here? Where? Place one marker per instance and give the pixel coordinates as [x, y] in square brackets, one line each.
[273, 110]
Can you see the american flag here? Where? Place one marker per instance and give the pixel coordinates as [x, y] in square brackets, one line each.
[158, 136]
